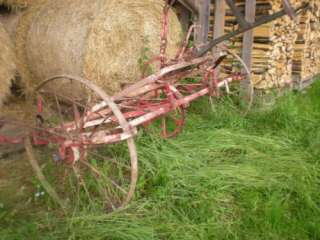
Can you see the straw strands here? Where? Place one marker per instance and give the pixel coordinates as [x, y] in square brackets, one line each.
[7, 66]
[16, 3]
[99, 40]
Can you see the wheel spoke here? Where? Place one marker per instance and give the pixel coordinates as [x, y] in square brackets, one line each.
[92, 178]
[98, 173]
[109, 159]
[81, 182]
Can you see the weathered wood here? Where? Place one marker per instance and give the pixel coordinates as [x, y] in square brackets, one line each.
[202, 29]
[250, 14]
[247, 48]
[219, 23]
[191, 5]
[236, 12]
[306, 48]
[259, 22]
[184, 15]
[289, 9]
[219, 18]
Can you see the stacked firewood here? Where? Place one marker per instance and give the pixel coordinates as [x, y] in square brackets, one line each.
[273, 49]
[306, 61]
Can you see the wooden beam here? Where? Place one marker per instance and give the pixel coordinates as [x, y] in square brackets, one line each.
[203, 22]
[289, 9]
[219, 18]
[237, 13]
[184, 15]
[259, 22]
[219, 24]
[191, 5]
[248, 36]
[250, 14]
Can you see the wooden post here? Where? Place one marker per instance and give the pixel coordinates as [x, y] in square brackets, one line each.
[289, 9]
[236, 12]
[219, 23]
[191, 5]
[248, 43]
[184, 15]
[219, 18]
[263, 20]
[203, 22]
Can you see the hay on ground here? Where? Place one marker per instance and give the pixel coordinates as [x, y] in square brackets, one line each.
[7, 66]
[99, 40]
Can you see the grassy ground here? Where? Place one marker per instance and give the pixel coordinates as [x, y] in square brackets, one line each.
[225, 177]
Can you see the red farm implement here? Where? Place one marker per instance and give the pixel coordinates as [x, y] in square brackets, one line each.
[73, 131]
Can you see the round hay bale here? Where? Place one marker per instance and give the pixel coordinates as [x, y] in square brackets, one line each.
[10, 22]
[100, 40]
[7, 66]
[16, 4]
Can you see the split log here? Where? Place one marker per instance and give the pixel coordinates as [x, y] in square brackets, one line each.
[273, 46]
[306, 61]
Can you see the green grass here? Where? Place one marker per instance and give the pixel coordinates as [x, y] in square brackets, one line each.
[225, 177]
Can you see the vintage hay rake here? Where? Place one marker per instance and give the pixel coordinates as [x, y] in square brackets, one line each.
[73, 130]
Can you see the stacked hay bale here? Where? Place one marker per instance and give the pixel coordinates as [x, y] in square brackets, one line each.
[7, 66]
[98, 40]
[273, 45]
[306, 61]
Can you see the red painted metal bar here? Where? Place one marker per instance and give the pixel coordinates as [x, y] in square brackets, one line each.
[102, 137]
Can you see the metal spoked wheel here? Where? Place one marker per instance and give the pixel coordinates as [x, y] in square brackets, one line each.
[236, 93]
[75, 118]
